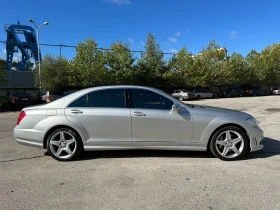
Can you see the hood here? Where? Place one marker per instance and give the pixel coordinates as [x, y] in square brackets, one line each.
[209, 110]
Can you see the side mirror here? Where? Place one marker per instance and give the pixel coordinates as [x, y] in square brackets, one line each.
[176, 107]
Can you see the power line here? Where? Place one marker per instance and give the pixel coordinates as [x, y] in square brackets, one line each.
[99, 48]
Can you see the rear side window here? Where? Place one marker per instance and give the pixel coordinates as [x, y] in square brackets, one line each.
[145, 99]
[109, 98]
[80, 102]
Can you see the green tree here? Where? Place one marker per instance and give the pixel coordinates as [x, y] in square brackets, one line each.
[151, 66]
[3, 69]
[253, 74]
[88, 66]
[29, 66]
[180, 69]
[209, 66]
[53, 73]
[237, 69]
[120, 63]
[269, 64]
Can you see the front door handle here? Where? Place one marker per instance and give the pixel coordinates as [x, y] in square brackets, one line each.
[76, 111]
[139, 114]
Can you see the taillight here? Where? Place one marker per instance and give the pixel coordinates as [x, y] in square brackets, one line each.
[14, 99]
[21, 116]
[49, 97]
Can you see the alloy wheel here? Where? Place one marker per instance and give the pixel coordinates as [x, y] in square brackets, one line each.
[229, 144]
[63, 145]
[181, 98]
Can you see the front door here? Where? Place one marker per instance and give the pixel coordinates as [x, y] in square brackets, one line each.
[104, 116]
[153, 122]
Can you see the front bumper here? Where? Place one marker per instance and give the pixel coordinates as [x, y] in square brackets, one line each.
[256, 139]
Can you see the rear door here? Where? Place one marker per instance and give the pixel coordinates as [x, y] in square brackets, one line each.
[104, 116]
[153, 122]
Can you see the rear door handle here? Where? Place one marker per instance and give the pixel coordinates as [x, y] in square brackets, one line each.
[139, 114]
[76, 111]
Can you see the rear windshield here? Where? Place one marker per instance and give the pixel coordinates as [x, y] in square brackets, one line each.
[20, 94]
[56, 93]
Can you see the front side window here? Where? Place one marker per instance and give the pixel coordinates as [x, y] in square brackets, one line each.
[109, 98]
[145, 99]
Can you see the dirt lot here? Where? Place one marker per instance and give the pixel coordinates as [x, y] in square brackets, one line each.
[30, 179]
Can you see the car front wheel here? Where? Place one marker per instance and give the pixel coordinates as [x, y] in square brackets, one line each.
[64, 144]
[229, 143]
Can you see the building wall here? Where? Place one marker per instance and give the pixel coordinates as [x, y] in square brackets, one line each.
[18, 80]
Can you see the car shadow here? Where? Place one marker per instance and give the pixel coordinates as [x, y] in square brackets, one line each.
[271, 148]
[88, 155]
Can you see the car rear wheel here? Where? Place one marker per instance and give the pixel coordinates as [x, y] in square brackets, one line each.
[241, 94]
[254, 94]
[228, 95]
[181, 98]
[198, 97]
[64, 144]
[214, 96]
[229, 143]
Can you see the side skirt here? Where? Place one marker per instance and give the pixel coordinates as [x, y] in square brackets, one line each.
[179, 148]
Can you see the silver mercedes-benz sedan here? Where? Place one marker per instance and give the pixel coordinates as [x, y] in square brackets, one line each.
[134, 117]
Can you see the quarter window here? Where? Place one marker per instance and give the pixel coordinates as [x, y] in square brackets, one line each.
[145, 99]
[80, 102]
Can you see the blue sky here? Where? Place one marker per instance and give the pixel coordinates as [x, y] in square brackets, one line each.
[239, 25]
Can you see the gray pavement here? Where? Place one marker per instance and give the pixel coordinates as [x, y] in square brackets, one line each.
[30, 179]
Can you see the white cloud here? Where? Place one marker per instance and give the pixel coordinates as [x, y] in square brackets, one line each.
[173, 50]
[130, 40]
[142, 43]
[178, 33]
[118, 2]
[172, 39]
[234, 35]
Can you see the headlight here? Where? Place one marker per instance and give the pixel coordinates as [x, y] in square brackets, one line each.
[253, 122]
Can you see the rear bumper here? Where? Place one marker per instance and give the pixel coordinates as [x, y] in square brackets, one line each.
[29, 137]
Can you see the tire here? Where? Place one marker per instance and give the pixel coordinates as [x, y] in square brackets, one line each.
[214, 96]
[241, 95]
[198, 97]
[181, 98]
[254, 94]
[228, 95]
[224, 149]
[68, 151]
